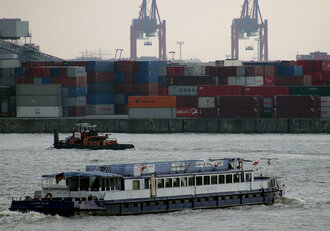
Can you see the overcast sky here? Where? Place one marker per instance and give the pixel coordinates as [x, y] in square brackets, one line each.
[64, 28]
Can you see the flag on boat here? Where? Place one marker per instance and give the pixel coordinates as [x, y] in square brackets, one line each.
[255, 163]
[59, 177]
[143, 168]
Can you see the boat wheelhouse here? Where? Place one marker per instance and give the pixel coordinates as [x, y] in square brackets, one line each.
[121, 189]
[85, 136]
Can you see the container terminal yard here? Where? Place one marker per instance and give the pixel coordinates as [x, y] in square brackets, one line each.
[40, 92]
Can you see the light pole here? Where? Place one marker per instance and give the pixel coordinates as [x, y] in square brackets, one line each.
[173, 55]
[180, 44]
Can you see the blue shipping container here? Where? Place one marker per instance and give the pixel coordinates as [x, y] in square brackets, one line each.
[100, 98]
[45, 80]
[54, 72]
[119, 77]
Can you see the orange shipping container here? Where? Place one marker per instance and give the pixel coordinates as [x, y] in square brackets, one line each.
[151, 101]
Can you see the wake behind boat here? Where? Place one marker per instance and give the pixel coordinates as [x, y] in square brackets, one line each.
[122, 189]
[85, 136]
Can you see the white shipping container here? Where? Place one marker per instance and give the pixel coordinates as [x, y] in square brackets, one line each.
[152, 113]
[10, 63]
[258, 81]
[100, 109]
[325, 101]
[76, 72]
[162, 71]
[42, 100]
[241, 80]
[38, 89]
[232, 80]
[39, 111]
[182, 90]
[325, 112]
[250, 81]
[233, 63]
[194, 70]
[8, 56]
[206, 102]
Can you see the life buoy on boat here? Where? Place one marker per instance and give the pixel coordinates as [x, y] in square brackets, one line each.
[48, 196]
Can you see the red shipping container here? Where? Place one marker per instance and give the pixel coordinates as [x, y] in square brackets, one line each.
[223, 80]
[254, 71]
[127, 66]
[326, 76]
[24, 80]
[146, 88]
[211, 71]
[269, 80]
[300, 112]
[128, 77]
[208, 112]
[269, 70]
[162, 90]
[284, 80]
[124, 88]
[293, 101]
[240, 112]
[266, 92]
[78, 63]
[73, 81]
[121, 109]
[191, 112]
[179, 71]
[317, 76]
[55, 80]
[100, 77]
[222, 72]
[317, 65]
[326, 65]
[219, 90]
[187, 101]
[77, 111]
[41, 72]
[239, 102]
[192, 80]
[170, 71]
[298, 80]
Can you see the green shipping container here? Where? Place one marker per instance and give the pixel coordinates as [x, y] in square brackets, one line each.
[267, 113]
[310, 90]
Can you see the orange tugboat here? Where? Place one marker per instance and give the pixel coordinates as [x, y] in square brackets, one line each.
[85, 136]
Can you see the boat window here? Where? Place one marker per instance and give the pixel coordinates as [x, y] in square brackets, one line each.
[168, 182]
[183, 181]
[221, 179]
[242, 177]
[214, 179]
[229, 179]
[84, 183]
[147, 183]
[236, 178]
[248, 177]
[191, 181]
[176, 182]
[160, 183]
[198, 180]
[136, 184]
[206, 180]
[96, 184]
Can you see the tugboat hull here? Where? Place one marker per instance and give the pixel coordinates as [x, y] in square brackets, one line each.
[110, 147]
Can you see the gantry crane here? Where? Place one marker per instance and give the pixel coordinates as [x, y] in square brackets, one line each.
[146, 26]
[250, 24]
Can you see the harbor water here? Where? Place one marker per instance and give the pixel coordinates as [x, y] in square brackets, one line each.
[302, 160]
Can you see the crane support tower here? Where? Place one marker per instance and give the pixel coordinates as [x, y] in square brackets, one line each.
[250, 24]
[146, 26]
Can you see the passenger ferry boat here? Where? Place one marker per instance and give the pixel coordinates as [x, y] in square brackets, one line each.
[121, 189]
[85, 136]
